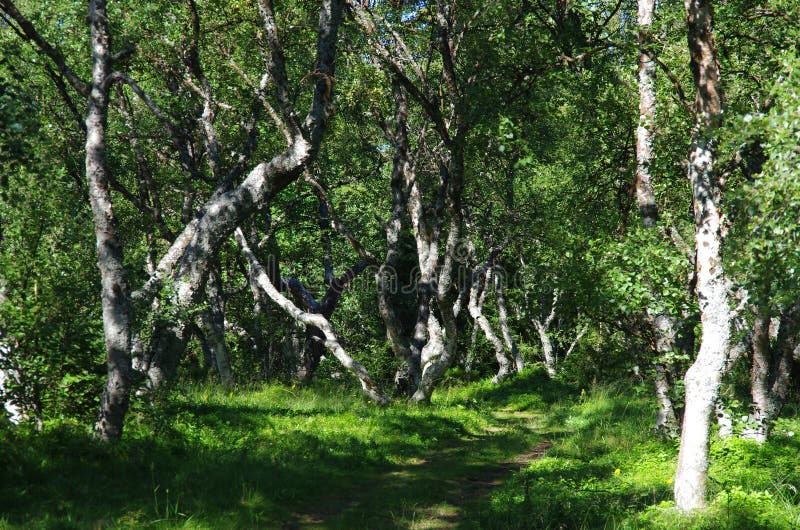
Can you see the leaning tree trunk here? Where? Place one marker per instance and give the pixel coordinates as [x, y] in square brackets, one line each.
[473, 340]
[187, 260]
[505, 367]
[543, 329]
[368, 385]
[502, 311]
[115, 299]
[703, 379]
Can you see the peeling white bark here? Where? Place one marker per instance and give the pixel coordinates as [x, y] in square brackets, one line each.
[505, 366]
[12, 409]
[114, 289]
[511, 344]
[703, 379]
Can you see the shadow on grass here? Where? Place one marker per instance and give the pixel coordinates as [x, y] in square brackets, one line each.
[216, 465]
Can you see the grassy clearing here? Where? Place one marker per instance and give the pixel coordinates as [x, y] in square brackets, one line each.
[280, 457]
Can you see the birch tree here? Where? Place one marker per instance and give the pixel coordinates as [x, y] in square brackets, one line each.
[703, 379]
[665, 326]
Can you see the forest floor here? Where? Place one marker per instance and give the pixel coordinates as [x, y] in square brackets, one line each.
[529, 453]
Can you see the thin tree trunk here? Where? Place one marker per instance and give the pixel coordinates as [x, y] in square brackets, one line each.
[505, 367]
[664, 325]
[473, 339]
[115, 300]
[703, 379]
[666, 421]
[547, 348]
[543, 329]
[511, 344]
[770, 374]
[213, 321]
[648, 208]
[368, 385]
[386, 281]
[665, 329]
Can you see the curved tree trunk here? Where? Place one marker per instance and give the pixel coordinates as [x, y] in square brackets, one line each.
[703, 379]
[505, 366]
[543, 329]
[368, 385]
[187, 260]
[511, 344]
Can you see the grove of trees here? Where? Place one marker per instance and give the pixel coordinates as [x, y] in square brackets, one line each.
[394, 193]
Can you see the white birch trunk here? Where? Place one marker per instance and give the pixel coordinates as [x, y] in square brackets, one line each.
[114, 290]
[647, 114]
[213, 321]
[511, 344]
[543, 329]
[505, 367]
[703, 379]
[12, 409]
[332, 343]
[770, 374]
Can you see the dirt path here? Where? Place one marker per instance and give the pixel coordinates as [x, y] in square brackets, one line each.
[476, 486]
[434, 492]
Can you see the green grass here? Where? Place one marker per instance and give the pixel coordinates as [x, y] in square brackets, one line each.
[606, 470]
[280, 457]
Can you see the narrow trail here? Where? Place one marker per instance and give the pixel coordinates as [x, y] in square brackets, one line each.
[435, 491]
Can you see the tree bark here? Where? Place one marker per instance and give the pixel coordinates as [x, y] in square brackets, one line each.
[703, 379]
[213, 322]
[665, 329]
[543, 329]
[14, 412]
[505, 366]
[770, 374]
[666, 421]
[664, 326]
[187, 260]
[648, 208]
[368, 385]
[511, 344]
[407, 377]
[114, 291]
